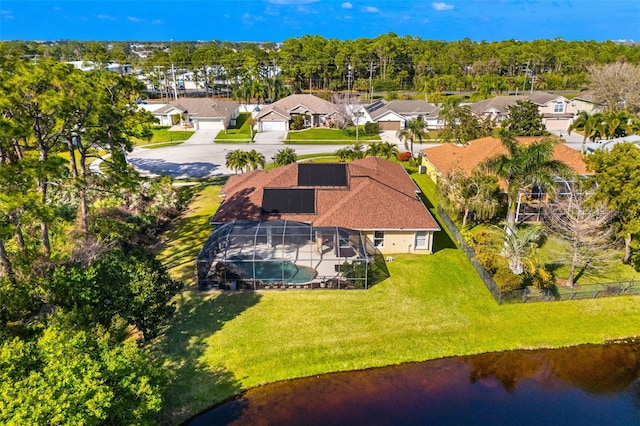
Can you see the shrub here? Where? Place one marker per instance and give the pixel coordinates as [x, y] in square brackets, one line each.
[297, 122]
[405, 156]
[507, 280]
[371, 128]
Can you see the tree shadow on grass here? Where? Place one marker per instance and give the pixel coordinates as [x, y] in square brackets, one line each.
[193, 385]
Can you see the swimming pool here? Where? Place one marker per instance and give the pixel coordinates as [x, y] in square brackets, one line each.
[275, 271]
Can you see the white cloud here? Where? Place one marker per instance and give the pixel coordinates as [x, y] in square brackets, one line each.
[6, 14]
[347, 5]
[250, 19]
[156, 22]
[106, 17]
[371, 9]
[134, 19]
[440, 6]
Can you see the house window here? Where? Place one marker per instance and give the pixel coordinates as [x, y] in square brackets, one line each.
[558, 107]
[378, 239]
[421, 240]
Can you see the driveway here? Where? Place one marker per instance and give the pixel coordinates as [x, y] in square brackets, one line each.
[202, 136]
[269, 138]
[573, 140]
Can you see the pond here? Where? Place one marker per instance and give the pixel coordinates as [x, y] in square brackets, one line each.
[585, 385]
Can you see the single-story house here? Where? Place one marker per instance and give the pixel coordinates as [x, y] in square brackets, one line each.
[316, 113]
[199, 113]
[447, 158]
[586, 102]
[557, 111]
[317, 215]
[393, 115]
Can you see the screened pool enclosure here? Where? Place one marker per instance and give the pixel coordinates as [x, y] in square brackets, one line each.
[282, 254]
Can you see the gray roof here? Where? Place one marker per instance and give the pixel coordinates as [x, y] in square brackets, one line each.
[586, 97]
[402, 107]
[502, 103]
[201, 107]
[541, 98]
[300, 104]
[499, 103]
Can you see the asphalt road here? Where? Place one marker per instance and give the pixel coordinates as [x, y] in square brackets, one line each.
[198, 157]
[190, 160]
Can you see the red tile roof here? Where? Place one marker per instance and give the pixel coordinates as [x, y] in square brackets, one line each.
[379, 195]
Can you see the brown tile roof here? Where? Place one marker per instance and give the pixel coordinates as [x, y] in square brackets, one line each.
[449, 157]
[380, 195]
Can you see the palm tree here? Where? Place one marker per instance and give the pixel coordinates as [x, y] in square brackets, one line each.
[382, 149]
[255, 159]
[589, 124]
[414, 129]
[524, 166]
[251, 122]
[284, 156]
[616, 124]
[236, 160]
[374, 148]
[519, 246]
[350, 153]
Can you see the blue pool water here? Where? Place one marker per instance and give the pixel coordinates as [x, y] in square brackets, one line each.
[276, 271]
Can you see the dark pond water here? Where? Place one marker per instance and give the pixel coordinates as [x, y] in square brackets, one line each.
[586, 385]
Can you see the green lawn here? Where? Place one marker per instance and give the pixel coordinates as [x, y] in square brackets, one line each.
[163, 134]
[322, 136]
[240, 133]
[432, 306]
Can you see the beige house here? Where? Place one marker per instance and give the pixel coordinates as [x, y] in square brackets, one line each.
[557, 111]
[585, 102]
[393, 115]
[374, 196]
[198, 113]
[315, 111]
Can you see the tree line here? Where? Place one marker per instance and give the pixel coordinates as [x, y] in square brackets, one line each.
[386, 62]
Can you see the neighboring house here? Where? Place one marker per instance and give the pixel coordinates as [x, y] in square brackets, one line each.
[585, 102]
[497, 108]
[450, 158]
[316, 113]
[199, 113]
[339, 212]
[557, 111]
[393, 115]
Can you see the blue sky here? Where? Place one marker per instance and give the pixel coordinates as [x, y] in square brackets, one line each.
[276, 20]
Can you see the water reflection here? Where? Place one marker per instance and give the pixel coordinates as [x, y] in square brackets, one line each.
[586, 385]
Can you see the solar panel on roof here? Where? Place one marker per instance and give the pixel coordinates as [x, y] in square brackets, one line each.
[322, 174]
[277, 200]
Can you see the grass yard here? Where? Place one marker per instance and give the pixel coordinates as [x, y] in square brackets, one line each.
[432, 306]
[162, 134]
[240, 133]
[322, 136]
